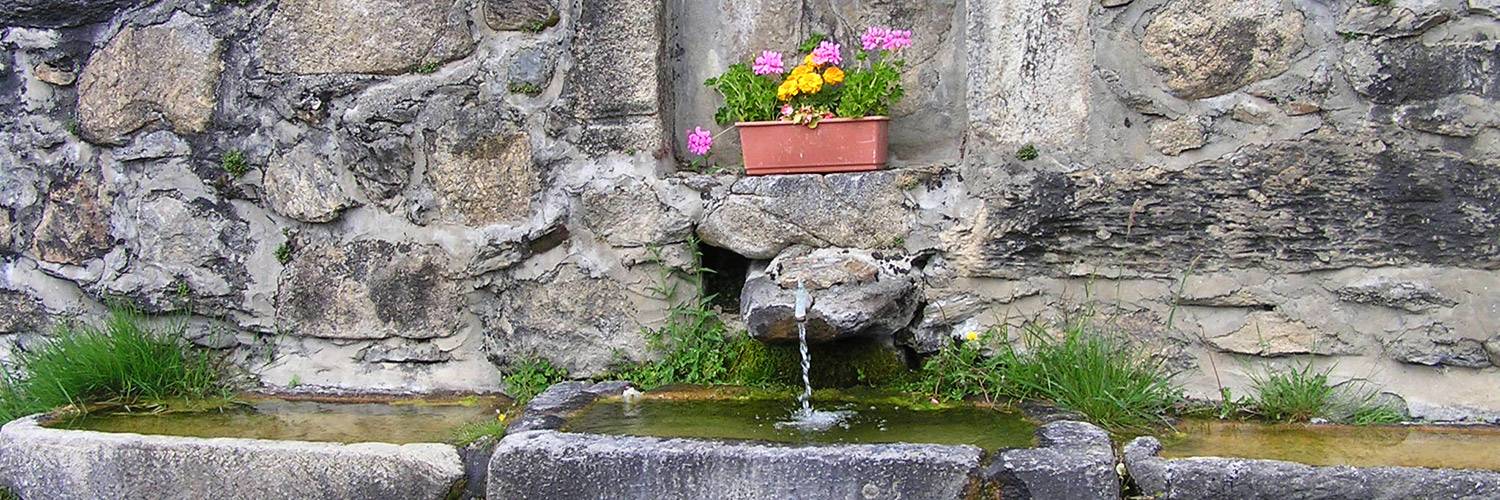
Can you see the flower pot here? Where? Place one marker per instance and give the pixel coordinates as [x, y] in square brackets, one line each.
[836, 145]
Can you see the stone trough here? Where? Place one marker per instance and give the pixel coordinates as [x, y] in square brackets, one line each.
[1215, 477]
[41, 463]
[538, 460]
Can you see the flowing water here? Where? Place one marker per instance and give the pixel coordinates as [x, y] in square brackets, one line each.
[1411, 446]
[805, 418]
[757, 419]
[388, 421]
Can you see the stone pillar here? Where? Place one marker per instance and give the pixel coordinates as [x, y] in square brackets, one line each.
[1029, 67]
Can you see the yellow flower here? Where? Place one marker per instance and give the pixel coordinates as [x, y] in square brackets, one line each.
[810, 83]
[802, 70]
[808, 60]
[971, 336]
[787, 90]
[500, 417]
[833, 76]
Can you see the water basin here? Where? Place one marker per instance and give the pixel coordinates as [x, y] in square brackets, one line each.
[756, 419]
[1410, 446]
[398, 421]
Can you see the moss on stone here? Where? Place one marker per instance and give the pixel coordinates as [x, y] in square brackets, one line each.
[849, 363]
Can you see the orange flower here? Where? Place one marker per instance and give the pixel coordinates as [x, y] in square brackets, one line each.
[833, 76]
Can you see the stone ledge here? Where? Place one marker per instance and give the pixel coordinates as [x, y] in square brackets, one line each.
[550, 409]
[1075, 461]
[551, 464]
[39, 463]
[1214, 477]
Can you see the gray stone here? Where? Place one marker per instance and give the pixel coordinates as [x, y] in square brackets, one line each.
[1172, 137]
[176, 241]
[1405, 295]
[41, 463]
[1267, 333]
[482, 179]
[1214, 47]
[75, 222]
[20, 312]
[368, 290]
[631, 214]
[54, 75]
[1029, 70]
[550, 464]
[611, 95]
[1402, 70]
[551, 409]
[304, 183]
[164, 72]
[531, 68]
[153, 146]
[1490, 7]
[1460, 115]
[364, 36]
[513, 15]
[406, 351]
[5, 231]
[578, 321]
[1383, 20]
[59, 13]
[764, 215]
[1075, 460]
[1210, 477]
[856, 293]
[1312, 197]
[1438, 345]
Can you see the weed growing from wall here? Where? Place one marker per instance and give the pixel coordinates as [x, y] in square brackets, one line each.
[529, 377]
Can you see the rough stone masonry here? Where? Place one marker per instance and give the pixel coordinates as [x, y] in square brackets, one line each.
[433, 189]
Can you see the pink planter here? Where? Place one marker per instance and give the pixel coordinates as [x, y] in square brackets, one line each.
[837, 145]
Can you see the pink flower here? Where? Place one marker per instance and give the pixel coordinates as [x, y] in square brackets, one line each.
[827, 53]
[699, 141]
[786, 110]
[769, 62]
[875, 37]
[898, 39]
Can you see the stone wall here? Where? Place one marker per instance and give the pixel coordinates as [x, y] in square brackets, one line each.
[436, 188]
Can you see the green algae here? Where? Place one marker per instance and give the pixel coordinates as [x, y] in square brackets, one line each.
[752, 416]
[1359, 446]
[398, 421]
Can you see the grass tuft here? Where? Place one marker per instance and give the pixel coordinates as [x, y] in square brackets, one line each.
[1300, 394]
[1084, 368]
[469, 433]
[234, 163]
[124, 360]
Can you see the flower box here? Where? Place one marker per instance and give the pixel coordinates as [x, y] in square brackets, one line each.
[835, 145]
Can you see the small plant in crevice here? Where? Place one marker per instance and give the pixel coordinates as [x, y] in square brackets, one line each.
[526, 88]
[233, 162]
[539, 25]
[284, 253]
[475, 431]
[694, 345]
[1379, 3]
[428, 68]
[295, 382]
[124, 362]
[529, 377]
[1027, 153]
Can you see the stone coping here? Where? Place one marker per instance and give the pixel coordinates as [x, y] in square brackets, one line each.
[43, 463]
[1074, 460]
[1216, 477]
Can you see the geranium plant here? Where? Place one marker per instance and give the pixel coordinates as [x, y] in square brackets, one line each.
[822, 84]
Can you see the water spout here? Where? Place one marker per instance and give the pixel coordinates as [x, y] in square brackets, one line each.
[805, 418]
[803, 301]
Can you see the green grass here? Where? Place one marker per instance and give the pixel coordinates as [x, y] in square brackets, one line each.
[469, 433]
[284, 253]
[1300, 394]
[428, 68]
[123, 360]
[234, 163]
[1027, 153]
[529, 377]
[1085, 368]
[524, 88]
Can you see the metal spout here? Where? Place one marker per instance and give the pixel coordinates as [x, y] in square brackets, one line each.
[803, 300]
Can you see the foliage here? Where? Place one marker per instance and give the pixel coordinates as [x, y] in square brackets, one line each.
[525, 88]
[428, 68]
[234, 163]
[1295, 394]
[747, 97]
[694, 344]
[1299, 394]
[122, 361]
[1084, 368]
[469, 433]
[284, 253]
[1027, 153]
[818, 84]
[530, 377]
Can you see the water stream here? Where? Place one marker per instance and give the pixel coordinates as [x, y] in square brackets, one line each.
[806, 418]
